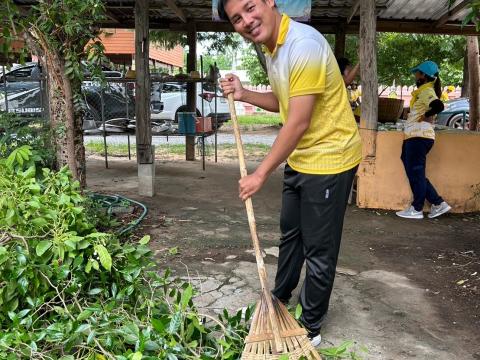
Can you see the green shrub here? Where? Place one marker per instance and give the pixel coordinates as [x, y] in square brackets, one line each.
[70, 292]
[16, 131]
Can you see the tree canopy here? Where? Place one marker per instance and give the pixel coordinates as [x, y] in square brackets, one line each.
[398, 53]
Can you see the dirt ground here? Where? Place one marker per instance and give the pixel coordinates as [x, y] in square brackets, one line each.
[404, 288]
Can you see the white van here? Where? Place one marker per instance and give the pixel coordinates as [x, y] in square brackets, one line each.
[174, 98]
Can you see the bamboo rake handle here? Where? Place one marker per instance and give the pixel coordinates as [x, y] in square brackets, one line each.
[253, 231]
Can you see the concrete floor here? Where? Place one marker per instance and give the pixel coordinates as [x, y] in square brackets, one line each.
[398, 289]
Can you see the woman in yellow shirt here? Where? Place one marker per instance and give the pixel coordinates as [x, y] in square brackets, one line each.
[449, 90]
[419, 139]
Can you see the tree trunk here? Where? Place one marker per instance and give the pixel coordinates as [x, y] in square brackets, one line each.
[474, 81]
[465, 84]
[78, 142]
[368, 73]
[66, 125]
[61, 113]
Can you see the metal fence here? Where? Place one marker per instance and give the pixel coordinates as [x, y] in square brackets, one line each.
[109, 108]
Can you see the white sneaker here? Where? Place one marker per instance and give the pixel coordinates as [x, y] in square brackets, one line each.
[437, 210]
[316, 340]
[410, 213]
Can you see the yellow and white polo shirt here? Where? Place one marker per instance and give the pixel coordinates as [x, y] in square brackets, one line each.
[303, 64]
[419, 105]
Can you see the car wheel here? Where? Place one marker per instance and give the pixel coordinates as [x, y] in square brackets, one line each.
[91, 119]
[184, 108]
[456, 121]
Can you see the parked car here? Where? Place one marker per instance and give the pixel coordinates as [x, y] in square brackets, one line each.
[454, 112]
[174, 98]
[23, 88]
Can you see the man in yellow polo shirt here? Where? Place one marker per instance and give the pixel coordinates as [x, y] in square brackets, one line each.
[319, 140]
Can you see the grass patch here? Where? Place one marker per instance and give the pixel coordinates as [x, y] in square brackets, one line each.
[229, 150]
[268, 119]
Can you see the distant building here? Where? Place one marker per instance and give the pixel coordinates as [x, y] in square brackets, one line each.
[120, 49]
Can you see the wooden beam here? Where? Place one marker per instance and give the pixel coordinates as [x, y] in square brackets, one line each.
[191, 87]
[142, 85]
[340, 38]
[354, 10]
[452, 12]
[113, 17]
[368, 71]
[424, 28]
[474, 82]
[179, 12]
[324, 25]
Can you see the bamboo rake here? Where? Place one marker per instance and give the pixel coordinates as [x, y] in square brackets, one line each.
[273, 330]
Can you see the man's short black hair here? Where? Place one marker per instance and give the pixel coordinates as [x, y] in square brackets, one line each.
[221, 10]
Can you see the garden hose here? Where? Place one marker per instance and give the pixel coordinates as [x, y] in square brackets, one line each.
[112, 201]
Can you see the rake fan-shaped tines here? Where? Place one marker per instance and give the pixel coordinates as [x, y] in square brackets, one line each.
[259, 343]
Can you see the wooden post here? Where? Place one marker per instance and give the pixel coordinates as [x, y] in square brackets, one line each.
[474, 82]
[191, 87]
[340, 41]
[145, 156]
[368, 71]
[142, 85]
[465, 80]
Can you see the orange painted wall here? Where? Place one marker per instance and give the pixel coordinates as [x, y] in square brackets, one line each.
[453, 167]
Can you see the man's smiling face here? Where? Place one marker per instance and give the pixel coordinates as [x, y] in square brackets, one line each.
[253, 19]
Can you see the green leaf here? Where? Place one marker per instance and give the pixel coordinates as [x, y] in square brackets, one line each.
[95, 265]
[137, 356]
[283, 357]
[158, 325]
[95, 291]
[29, 173]
[83, 244]
[105, 258]
[10, 214]
[114, 289]
[173, 250]
[84, 315]
[78, 261]
[39, 222]
[90, 337]
[186, 297]
[42, 247]
[298, 311]
[88, 267]
[82, 328]
[144, 240]
[175, 322]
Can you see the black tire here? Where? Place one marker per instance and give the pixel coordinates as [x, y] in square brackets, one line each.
[183, 108]
[92, 114]
[456, 120]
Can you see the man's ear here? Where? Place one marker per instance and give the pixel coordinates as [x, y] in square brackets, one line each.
[270, 3]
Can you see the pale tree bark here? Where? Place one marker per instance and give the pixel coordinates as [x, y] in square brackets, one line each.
[66, 127]
[474, 82]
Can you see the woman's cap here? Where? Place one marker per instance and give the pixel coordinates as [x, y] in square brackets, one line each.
[429, 68]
